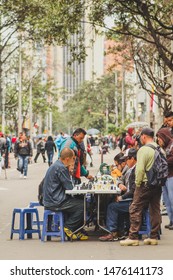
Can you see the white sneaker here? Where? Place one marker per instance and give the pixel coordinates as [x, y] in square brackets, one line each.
[21, 176]
[24, 177]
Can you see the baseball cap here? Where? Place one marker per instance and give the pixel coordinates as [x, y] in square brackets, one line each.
[147, 131]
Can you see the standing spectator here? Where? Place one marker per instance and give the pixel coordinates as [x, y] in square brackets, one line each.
[59, 140]
[74, 143]
[13, 141]
[3, 148]
[169, 120]
[121, 142]
[144, 194]
[7, 152]
[50, 147]
[40, 150]
[22, 151]
[2, 144]
[165, 140]
[129, 140]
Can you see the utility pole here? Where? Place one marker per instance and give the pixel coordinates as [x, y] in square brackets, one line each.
[172, 72]
[116, 99]
[1, 93]
[20, 90]
[3, 110]
[30, 106]
[107, 113]
[123, 93]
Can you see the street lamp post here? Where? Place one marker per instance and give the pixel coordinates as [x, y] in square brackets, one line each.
[172, 72]
[20, 90]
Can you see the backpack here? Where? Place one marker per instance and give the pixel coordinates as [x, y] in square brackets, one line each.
[158, 173]
[40, 192]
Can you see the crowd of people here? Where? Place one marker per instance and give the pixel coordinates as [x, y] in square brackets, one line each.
[130, 168]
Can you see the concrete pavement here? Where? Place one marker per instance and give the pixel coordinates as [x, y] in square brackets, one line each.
[16, 192]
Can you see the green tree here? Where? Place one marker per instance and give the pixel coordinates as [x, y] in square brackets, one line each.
[90, 104]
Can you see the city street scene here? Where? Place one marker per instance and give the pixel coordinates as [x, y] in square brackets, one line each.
[86, 130]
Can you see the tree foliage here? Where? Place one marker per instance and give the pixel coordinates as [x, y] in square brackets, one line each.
[94, 104]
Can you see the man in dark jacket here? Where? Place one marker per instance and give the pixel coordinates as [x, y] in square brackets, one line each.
[122, 203]
[56, 182]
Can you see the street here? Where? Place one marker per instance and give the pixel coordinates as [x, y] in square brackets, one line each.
[17, 192]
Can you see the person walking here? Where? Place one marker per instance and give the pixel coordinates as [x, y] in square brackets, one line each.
[165, 140]
[50, 148]
[144, 195]
[23, 151]
[40, 150]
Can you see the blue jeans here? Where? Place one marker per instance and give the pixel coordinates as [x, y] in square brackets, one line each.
[168, 197]
[23, 162]
[50, 157]
[114, 217]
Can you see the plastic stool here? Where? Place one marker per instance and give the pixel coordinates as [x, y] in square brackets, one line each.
[53, 225]
[33, 204]
[25, 218]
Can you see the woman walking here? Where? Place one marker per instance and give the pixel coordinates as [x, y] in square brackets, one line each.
[50, 147]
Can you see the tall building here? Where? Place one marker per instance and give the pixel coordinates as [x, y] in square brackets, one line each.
[68, 76]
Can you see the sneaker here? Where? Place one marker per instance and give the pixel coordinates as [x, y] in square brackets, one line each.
[150, 241]
[81, 236]
[167, 226]
[21, 176]
[113, 236]
[129, 242]
[70, 234]
[24, 177]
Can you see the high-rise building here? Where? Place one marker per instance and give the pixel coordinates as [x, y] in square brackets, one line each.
[68, 74]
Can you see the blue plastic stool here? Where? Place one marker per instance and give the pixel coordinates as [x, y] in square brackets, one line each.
[26, 215]
[53, 225]
[33, 204]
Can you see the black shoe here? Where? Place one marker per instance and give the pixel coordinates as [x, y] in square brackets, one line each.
[171, 227]
[167, 226]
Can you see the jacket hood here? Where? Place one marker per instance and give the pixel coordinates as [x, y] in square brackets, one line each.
[165, 135]
[130, 131]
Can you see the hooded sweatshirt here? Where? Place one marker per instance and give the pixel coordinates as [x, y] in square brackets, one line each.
[129, 138]
[166, 136]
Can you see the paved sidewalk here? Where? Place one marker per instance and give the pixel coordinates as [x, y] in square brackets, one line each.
[16, 192]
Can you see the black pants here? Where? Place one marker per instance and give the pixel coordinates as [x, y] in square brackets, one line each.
[37, 155]
[73, 209]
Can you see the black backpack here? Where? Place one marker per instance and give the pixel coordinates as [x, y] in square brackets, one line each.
[158, 173]
[40, 192]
